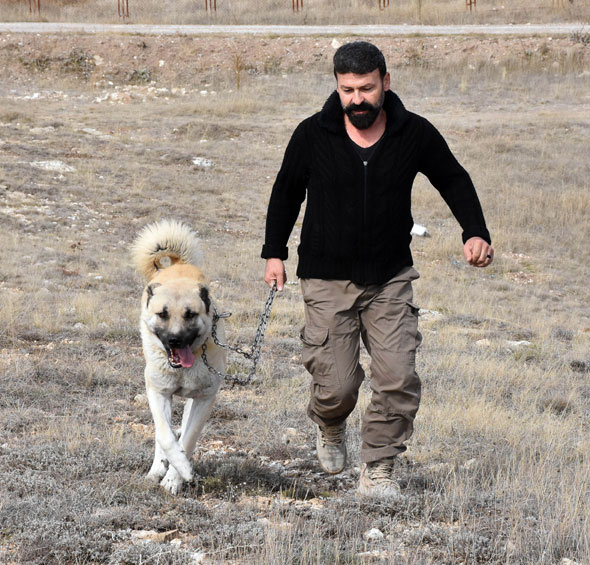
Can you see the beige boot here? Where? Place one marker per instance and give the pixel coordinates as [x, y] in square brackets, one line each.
[331, 447]
[376, 480]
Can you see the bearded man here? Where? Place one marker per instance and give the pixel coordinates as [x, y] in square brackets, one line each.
[356, 161]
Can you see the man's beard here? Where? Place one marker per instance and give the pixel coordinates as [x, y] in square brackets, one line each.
[366, 120]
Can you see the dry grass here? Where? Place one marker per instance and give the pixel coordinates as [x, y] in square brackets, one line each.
[314, 12]
[498, 469]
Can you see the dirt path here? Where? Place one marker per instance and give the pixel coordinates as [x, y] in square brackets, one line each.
[374, 30]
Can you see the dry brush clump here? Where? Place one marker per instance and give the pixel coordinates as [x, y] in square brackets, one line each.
[497, 470]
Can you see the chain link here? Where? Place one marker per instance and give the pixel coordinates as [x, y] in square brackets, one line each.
[252, 354]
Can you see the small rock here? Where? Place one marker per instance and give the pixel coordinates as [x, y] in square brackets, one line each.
[375, 554]
[373, 534]
[167, 536]
[483, 343]
[289, 435]
[335, 44]
[469, 464]
[202, 162]
[140, 400]
[443, 468]
[158, 537]
[79, 326]
[517, 344]
[55, 166]
[429, 314]
[46, 129]
[263, 521]
[96, 133]
[198, 556]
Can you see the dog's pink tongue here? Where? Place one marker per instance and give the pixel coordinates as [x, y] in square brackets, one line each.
[187, 357]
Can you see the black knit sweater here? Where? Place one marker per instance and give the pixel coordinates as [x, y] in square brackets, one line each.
[358, 216]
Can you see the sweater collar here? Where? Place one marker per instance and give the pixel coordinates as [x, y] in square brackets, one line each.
[331, 115]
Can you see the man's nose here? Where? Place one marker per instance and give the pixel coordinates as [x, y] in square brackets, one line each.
[357, 97]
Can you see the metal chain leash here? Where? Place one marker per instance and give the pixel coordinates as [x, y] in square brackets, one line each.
[252, 354]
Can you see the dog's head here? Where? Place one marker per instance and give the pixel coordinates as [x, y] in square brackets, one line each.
[178, 313]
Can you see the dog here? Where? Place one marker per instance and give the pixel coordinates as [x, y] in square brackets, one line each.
[175, 323]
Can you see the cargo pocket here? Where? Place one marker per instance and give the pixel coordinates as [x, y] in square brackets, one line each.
[415, 336]
[413, 308]
[317, 355]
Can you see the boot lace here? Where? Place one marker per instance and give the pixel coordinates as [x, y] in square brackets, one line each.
[380, 471]
[332, 435]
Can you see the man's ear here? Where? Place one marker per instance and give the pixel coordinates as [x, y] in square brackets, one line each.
[204, 293]
[150, 292]
[386, 82]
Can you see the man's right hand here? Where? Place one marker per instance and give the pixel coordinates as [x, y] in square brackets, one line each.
[275, 272]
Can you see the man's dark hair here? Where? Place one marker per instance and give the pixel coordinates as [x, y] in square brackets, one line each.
[360, 58]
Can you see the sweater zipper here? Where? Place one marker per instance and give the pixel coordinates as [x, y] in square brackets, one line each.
[365, 190]
[365, 164]
[365, 196]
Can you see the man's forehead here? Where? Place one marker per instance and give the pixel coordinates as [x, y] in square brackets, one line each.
[353, 79]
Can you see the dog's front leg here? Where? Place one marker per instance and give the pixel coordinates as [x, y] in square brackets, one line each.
[161, 408]
[195, 414]
[160, 464]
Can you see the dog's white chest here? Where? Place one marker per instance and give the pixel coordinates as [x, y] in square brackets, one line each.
[195, 382]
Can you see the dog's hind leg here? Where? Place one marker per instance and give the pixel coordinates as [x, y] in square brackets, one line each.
[160, 406]
[196, 412]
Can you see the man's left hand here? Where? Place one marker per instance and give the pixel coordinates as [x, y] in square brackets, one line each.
[478, 252]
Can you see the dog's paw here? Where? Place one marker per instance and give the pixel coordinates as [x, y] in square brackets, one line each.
[155, 477]
[157, 471]
[184, 469]
[172, 482]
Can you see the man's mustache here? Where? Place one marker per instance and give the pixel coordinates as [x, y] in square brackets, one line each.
[363, 106]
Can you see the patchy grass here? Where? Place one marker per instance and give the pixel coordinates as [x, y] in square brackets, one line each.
[497, 470]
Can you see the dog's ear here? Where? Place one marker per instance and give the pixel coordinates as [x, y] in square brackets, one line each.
[204, 292]
[150, 292]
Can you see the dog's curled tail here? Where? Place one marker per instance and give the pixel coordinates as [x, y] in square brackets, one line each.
[165, 243]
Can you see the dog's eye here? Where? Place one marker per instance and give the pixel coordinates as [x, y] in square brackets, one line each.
[189, 315]
[163, 315]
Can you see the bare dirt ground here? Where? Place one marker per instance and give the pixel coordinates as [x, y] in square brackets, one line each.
[101, 134]
[298, 30]
[185, 61]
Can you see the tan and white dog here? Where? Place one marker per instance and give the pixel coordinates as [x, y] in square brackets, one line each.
[175, 322]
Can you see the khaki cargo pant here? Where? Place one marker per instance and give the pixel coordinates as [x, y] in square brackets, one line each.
[338, 314]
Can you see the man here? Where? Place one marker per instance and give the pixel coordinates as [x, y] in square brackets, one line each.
[356, 161]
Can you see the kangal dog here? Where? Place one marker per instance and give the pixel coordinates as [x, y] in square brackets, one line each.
[175, 323]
